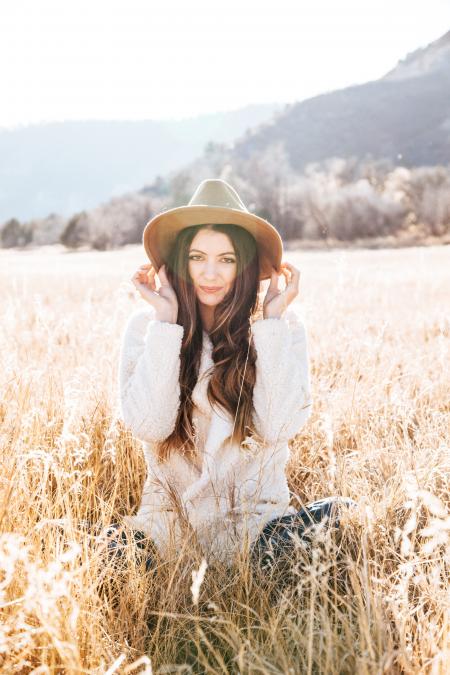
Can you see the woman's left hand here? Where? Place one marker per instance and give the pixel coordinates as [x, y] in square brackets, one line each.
[276, 301]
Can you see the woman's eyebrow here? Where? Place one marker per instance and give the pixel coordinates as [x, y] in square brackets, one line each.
[197, 249]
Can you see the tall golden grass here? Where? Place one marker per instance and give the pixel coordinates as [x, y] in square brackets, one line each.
[375, 599]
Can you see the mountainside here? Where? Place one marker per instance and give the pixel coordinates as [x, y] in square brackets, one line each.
[434, 57]
[403, 116]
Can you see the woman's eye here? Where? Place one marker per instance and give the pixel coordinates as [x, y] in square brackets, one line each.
[193, 257]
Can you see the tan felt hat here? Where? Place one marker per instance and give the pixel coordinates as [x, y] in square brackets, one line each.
[214, 201]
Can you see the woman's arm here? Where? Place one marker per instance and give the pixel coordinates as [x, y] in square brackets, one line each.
[149, 367]
[282, 391]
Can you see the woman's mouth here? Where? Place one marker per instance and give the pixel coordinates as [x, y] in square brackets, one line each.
[210, 289]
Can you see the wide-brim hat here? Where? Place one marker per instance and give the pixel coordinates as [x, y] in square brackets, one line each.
[214, 201]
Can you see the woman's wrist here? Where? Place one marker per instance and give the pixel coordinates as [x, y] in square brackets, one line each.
[165, 319]
[271, 316]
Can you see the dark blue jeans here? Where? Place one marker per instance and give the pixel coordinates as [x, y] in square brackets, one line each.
[274, 541]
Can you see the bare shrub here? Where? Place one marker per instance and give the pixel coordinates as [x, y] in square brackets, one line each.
[47, 230]
[328, 206]
[357, 210]
[76, 233]
[13, 233]
[118, 222]
[425, 191]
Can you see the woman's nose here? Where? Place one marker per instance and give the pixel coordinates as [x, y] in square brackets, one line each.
[210, 270]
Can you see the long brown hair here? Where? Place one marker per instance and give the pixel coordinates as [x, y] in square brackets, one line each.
[233, 354]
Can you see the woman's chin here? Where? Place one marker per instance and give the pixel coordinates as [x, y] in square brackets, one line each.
[209, 299]
[209, 302]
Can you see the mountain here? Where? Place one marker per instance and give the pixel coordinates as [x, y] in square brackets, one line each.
[434, 57]
[67, 166]
[404, 116]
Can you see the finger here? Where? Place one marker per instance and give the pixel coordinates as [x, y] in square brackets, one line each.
[288, 265]
[141, 270]
[162, 274]
[295, 271]
[143, 275]
[273, 280]
[152, 279]
[294, 274]
[273, 286]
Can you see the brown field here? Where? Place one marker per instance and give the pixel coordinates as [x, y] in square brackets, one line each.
[375, 601]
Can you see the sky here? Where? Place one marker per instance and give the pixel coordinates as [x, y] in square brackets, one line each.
[172, 59]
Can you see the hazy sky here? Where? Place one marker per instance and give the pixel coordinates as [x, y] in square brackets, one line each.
[104, 59]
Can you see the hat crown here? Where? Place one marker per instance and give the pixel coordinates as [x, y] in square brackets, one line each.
[217, 192]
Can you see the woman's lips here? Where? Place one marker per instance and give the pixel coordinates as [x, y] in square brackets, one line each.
[210, 289]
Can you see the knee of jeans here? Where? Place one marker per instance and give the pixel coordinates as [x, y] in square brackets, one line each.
[337, 503]
[271, 542]
[144, 542]
[331, 501]
[327, 507]
[139, 537]
[115, 536]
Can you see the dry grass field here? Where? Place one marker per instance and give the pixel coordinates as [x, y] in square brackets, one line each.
[375, 600]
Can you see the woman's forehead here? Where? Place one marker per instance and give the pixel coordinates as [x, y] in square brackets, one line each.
[211, 240]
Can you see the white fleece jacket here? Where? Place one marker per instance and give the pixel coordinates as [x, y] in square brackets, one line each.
[234, 492]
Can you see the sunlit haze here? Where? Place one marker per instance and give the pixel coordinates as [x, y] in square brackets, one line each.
[172, 59]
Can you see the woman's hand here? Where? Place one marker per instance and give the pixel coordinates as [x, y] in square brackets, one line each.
[165, 299]
[276, 301]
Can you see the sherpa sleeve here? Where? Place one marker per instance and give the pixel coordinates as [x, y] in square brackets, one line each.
[149, 368]
[282, 391]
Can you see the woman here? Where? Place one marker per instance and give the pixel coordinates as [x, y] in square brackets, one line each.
[215, 383]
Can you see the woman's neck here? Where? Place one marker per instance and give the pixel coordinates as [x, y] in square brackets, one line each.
[207, 316]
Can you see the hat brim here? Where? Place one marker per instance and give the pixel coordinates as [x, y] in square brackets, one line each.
[160, 232]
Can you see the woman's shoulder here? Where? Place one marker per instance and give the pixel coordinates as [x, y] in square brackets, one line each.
[293, 315]
[139, 320]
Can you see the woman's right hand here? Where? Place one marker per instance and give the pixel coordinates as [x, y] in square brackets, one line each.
[164, 300]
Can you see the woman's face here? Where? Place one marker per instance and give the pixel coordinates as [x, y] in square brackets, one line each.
[212, 262]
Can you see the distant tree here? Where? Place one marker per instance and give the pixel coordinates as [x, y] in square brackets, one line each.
[269, 171]
[179, 188]
[76, 232]
[425, 192]
[215, 155]
[13, 234]
[101, 242]
[358, 210]
[375, 171]
[47, 230]
[159, 186]
[345, 211]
